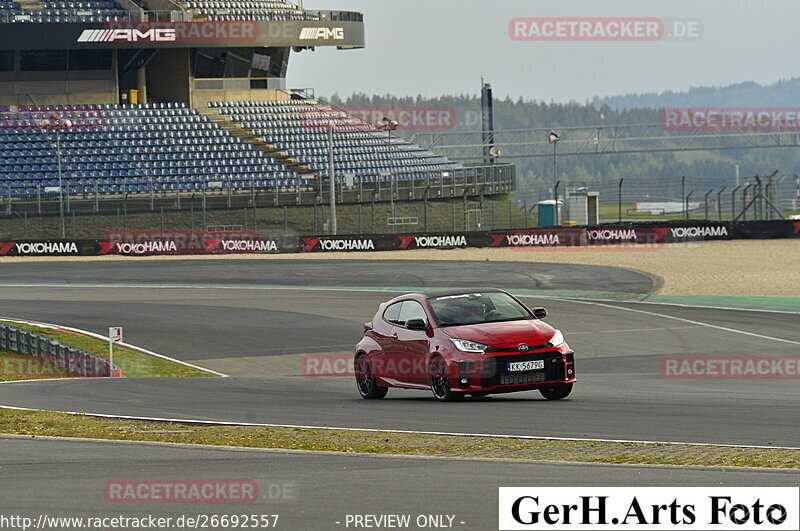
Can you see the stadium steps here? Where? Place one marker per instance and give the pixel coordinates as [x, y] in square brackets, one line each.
[258, 142]
[31, 5]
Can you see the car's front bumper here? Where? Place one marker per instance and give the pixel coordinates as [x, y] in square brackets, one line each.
[491, 373]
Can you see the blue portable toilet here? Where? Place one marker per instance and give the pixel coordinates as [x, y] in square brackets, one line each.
[547, 213]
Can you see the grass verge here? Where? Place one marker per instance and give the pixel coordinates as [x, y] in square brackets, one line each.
[133, 364]
[376, 442]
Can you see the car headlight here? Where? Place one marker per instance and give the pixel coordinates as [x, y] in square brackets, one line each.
[468, 346]
[557, 339]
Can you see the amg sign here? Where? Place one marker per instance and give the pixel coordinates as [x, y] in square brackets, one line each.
[128, 35]
[312, 34]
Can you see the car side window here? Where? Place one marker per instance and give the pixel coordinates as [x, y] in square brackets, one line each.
[392, 313]
[412, 310]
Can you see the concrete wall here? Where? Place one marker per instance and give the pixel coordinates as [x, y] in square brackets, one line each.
[58, 88]
[200, 98]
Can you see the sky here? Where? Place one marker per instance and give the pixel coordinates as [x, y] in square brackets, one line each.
[438, 47]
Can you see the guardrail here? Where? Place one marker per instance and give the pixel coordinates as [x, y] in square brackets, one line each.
[77, 361]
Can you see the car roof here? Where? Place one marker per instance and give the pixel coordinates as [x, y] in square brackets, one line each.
[462, 291]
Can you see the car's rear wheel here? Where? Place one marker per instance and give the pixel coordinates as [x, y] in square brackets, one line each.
[556, 392]
[440, 381]
[365, 380]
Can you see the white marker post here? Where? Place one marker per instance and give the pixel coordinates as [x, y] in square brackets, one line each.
[114, 336]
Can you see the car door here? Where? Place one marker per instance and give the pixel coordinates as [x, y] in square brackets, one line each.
[385, 332]
[410, 355]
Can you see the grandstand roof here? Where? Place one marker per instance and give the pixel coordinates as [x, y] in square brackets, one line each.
[111, 27]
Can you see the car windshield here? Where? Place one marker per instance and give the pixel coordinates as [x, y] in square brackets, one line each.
[475, 308]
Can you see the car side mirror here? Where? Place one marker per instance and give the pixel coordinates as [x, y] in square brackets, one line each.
[540, 313]
[416, 324]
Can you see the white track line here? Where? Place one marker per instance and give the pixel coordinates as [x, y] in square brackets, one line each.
[690, 321]
[701, 306]
[105, 338]
[409, 432]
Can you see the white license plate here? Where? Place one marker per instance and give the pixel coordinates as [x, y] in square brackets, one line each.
[526, 366]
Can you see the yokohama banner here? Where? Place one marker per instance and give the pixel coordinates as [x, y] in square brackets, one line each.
[539, 238]
[46, 248]
[184, 242]
[189, 242]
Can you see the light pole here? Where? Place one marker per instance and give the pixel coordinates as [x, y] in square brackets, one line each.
[55, 123]
[389, 125]
[332, 177]
[553, 138]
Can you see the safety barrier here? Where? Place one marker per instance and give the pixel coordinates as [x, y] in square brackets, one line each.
[77, 361]
[154, 242]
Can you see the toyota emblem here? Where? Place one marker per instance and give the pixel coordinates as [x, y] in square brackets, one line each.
[523, 348]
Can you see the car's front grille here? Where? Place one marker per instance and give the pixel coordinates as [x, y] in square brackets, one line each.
[521, 378]
[495, 369]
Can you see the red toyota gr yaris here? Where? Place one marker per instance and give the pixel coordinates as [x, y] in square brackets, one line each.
[462, 342]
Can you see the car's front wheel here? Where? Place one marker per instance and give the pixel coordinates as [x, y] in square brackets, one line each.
[365, 380]
[440, 381]
[556, 392]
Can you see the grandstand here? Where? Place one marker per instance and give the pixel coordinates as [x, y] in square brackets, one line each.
[105, 100]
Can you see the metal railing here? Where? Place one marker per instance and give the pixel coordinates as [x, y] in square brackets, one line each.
[122, 16]
[600, 140]
[63, 357]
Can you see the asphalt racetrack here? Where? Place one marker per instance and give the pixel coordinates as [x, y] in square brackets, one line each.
[256, 320]
[68, 479]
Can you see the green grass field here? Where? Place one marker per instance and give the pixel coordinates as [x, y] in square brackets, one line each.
[443, 216]
[44, 423]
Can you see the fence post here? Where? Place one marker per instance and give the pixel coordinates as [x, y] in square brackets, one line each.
[683, 196]
[525, 210]
[425, 208]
